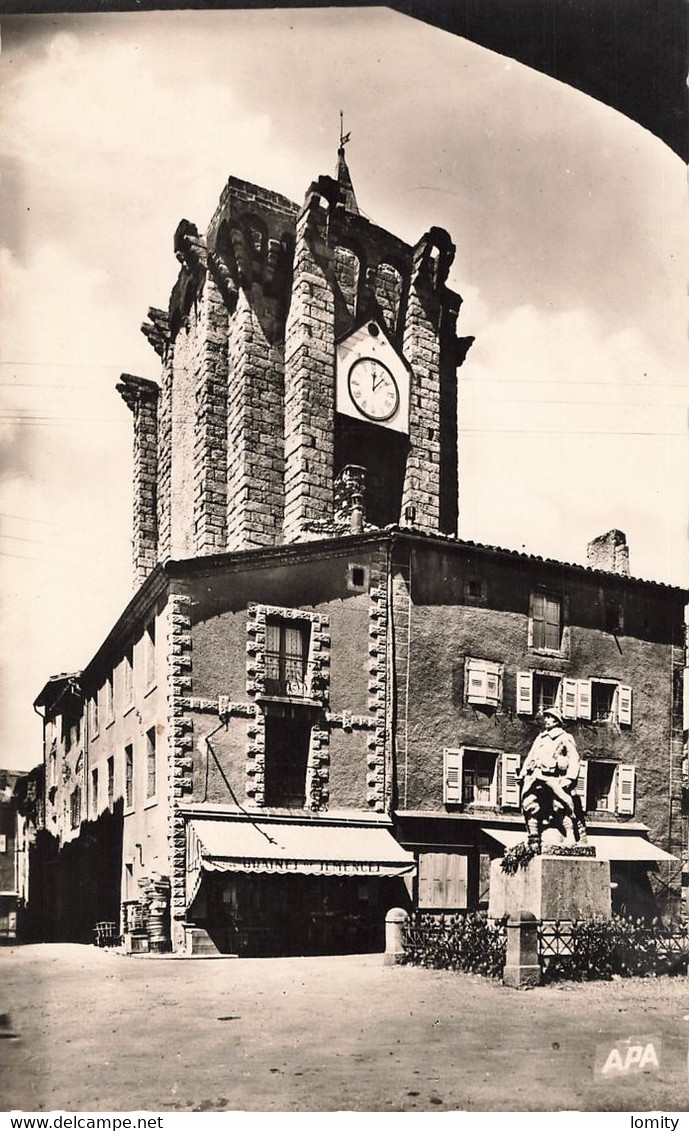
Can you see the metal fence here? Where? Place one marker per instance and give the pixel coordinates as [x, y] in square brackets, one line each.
[599, 948]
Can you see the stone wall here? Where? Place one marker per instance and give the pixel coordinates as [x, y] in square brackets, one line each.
[246, 427]
[309, 375]
[346, 678]
[141, 397]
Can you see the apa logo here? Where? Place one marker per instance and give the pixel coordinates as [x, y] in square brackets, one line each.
[629, 1057]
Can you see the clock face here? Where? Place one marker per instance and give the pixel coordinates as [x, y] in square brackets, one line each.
[373, 389]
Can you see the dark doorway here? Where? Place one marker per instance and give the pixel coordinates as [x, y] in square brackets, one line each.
[287, 753]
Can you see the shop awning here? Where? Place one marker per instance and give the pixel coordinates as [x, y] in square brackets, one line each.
[613, 847]
[304, 848]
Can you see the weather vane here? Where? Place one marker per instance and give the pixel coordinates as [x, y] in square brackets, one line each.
[344, 138]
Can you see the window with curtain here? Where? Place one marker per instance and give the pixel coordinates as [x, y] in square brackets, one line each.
[286, 658]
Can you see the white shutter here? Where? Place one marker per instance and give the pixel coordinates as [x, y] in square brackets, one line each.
[625, 789]
[493, 684]
[510, 785]
[476, 679]
[583, 698]
[624, 706]
[582, 780]
[569, 698]
[525, 693]
[452, 777]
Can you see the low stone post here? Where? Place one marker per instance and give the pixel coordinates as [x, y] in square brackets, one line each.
[522, 968]
[394, 936]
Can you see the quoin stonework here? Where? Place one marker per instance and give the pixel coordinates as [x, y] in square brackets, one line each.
[315, 705]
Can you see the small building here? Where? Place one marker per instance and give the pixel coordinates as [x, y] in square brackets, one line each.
[9, 856]
[316, 702]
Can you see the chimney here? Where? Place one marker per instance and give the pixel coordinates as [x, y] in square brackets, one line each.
[609, 552]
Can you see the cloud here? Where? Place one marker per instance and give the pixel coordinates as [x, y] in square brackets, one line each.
[556, 418]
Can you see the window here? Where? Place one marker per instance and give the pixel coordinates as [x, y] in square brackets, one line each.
[128, 667]
[111, 782]
[94, 714]
[150, 650]
[357, 577]
[597, 701]
[475, 590]
[471, 777]
[52, 762]
[286, 658]
[94, 791]
[151, 764]
[536, 691]
[75, 807]
[129, 776]
[546, 692]
[600, 792]
[609, 787]
[545, 622]
[602, 700]
[109, 700]
[286, 759]
[483, 682]
[479, 780]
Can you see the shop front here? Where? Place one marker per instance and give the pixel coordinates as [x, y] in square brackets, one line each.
[260, 888]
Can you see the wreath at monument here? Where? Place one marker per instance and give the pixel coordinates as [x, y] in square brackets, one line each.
[517, 857]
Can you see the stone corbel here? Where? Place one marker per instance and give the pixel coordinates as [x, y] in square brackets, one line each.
[190, 248]
[429, 268]
[157, 330]
[222, 277]
[136, 391]
[317, 212]
[462, 347]
[274, 268]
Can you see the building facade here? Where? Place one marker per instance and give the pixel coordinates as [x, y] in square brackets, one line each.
[315, 705]
[10, 871]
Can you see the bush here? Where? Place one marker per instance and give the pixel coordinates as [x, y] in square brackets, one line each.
[622, 947]
[460, 942]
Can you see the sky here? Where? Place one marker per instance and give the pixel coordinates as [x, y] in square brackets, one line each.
[571, 235]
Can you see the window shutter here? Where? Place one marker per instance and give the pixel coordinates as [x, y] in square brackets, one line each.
[582, 780]
[476, 691]
[569, 698]
[625, 789]
[493, 684]
[452, 777]
[624, 706]
[552, 623]
[525, 693]
[442, 880]
[537, 621]
[510, 785]
[584, 698]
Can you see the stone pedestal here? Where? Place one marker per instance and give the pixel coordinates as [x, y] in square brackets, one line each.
[522, 969]
[394, 936]
[552, 887]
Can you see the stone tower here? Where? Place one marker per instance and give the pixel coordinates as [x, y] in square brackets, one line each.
[308, 380]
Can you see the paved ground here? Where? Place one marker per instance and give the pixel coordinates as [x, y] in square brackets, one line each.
[97, 1031]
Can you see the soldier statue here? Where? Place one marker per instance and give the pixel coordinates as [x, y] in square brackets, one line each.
[549, 780]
